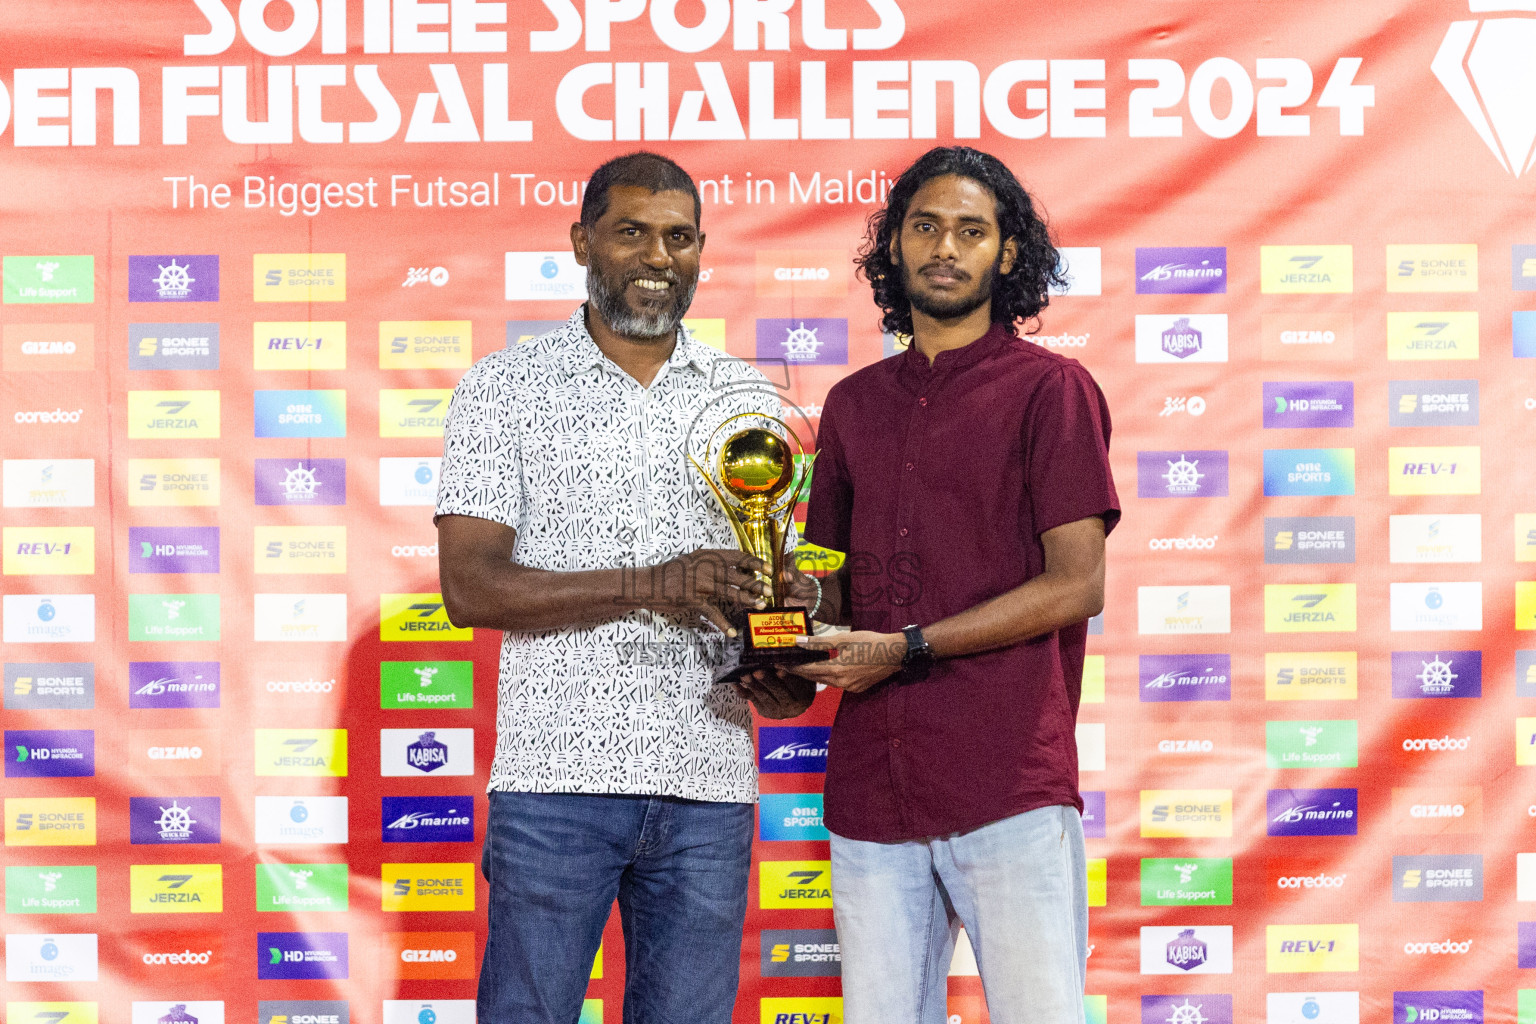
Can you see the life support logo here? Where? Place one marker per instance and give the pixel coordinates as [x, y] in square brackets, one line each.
[1486, 66]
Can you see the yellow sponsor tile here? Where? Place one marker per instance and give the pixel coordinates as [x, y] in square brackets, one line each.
[801, 1010]
[1093, 679]
[1443, 469]
[1306, 269]
[173, 414]
[1309, 608]
[428, 887]
[300, 344]
[709, 330]
[1311, 948]
[164, 482]
[1525, 604]
[176, 888]
[302, 550]
[794, 883]
[425, 344]
[418, 412]
[299, 277]
[1098, 881]
[1419, 337]
[50, 550]
[50, 821]
[1186, 813]
[417, 617]
[304, 752]
[1432, 268]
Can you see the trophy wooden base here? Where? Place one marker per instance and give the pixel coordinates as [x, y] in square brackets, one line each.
[769, 640]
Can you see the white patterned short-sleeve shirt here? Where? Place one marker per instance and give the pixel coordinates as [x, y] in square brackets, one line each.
[556, 441]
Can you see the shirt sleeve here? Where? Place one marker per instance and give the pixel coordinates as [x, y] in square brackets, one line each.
[482, 469]
[829, 517]
[1067, 453]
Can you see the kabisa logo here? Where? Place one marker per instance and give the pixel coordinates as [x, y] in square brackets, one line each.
[409, 481]
[301, 413]
[1181, 271]
[1309, 404]
[173, 278]
[1185, 677]
[1437, 674]
[50, 753]
[173, 684]
[803, 341]
[178, 1013]
[50, 686]
[792, 748]
[183, 820]
[435, 276]
[301, 821]
[301, 956]
[301, 481]
[1204, 1008]
[428, 819]
[408, 887]
[426, 754]
[1484, 66]
[1185, 950]
[173, 346]
[417, 617]
[411, 752]
[1192, 338]
[544, 276]
[1313, 812]
[794, 883]
[1186, 474]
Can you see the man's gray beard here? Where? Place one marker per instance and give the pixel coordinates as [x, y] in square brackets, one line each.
[610, 305]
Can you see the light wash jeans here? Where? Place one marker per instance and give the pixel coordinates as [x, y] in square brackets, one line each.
[1020, 888]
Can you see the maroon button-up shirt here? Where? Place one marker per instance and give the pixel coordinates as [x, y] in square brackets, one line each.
[938, 482]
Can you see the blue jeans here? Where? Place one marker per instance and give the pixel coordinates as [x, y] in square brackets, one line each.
[1019, 886]
[556, 862]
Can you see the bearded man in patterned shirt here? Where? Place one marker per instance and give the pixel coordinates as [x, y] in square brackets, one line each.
[569, 517]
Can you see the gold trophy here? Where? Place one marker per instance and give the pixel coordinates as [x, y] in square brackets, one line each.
[756, 488]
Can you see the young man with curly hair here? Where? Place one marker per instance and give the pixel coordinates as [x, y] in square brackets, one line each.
[968, 480]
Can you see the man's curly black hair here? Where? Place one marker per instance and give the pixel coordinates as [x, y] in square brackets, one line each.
[1018, 295]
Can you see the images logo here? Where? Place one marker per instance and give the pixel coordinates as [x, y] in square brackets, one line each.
[1185, 677]
[300, 956]
[50, 753]
[1187, 474]
[1176, 950]
[1313, 812]
[1437, 674]
[173, 549]
[409, 481]
[295, 888]
[54, 957]
[1309, 608]
[545, 276]
[50, 821]
[1442, 878]
[426, 684]
[48, 348]
[1434, 470]
[300, 345]
[1196, 338]
[176, 888]
[173, 684]
[1308, 337]
[1432, 268]
[1186, 881]
[784, 884]
[173, 346]
[1186, 813]
[49, 279]
[50, 483]
[301, 550]
[1190, 270]
[805, 341]
[792, 748]
[1433, 812]
[1437, 606]
[1309, 472]
[301, 413]
[1309, 404]
[50, 890]
[1436, 538]
[301, 752]
[461, 1011]
[1169, 610]
[301, 820]
[425, 344]
[413, 413]
[428, 819]
[173, 414]
[790, 816]
[1306, 269]
[800, 953]
[1309, 540]
[1311, 948]
[428, 887]
[182, 820]
[301, 481]
[301, 618]
[158, 482]
[173, 279]
[428, 955]
[300, 277]
[1424, 336]
[50, 686]
[1329, 743]
[1432, 403]
[417, 617]
[49, 619]
[411, 752]
[49, 550]
[173, 616]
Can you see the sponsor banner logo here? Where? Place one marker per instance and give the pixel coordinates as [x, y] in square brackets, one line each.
[1311, 948]
[428, 955]
[417, 617]
[1525, 673]
[1204, 1007]
[173, 684]
[792, 748]
[1309, 404]
[300, 345]
[1306, 269]
[175, 821]
[300, 956]
[1429, 736]
[1307, 337]
[428, 886]
[795, 1010]
[1093, 679]
[1309, 608]
[1093, 813]
[1313, 812]
[1434, 470]
[301, 413]
[519, 331]
[460, 1011]
[1441, 538]
[1188, 474]
[545, 277]
[300, 277]
[1527, 952]
[1090, 746]
[50, 686]
[1522, 268]
[49, 279]
[173, 414]
[1439, 811]
[806, 341]
[409, 481]
[1293, 879]
[160, 482]
[418, 412]
[800, 953]
[1523, 330]
[49, 550]
[1440, 1007]
[301, 481]
[1194, 405]
[301, 550]
[1525, 605]
[301, 752]
[49, 618]
[1437, 878]
[1525, 741]
[301, 820]
[173, 278]
[1326, 743]
[1525, 537]
[425, 344]
[1195, 338]
[51, 957]
[428, 819]
[176, 888]
[1437, 674]
[1098, 882]
[1186, 813]
[412, 752]
[301, 618]
[1184, 742]
[173, 549]
[1437, 606]
[1171, 610]
[1309, 540]
[1432, 403]
[175, 752]
[178, 1013]
[790, 816]
[1309, 472]
[51, 1013]
[426, 684]
[1176, 950]
[180, 617]
[1185, 677]
[50, 753]
[1181, 270]
[44, 416]
[788, 884]
[803, 273]
[436, 276]
[50, 890]
[48, 348]
[1525, 880]
[708, 331]
[1083, 267]
[1427, 336]
[301, 888]
[50, 483]
[1432, 268]
[50, 821]
[173, 346]
[1186, 881]
[183, 954]
[306, 1011]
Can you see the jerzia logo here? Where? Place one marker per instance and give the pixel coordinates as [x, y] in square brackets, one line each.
[1485, 67]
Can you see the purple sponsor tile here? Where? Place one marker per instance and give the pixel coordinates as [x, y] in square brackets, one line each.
[1181, 677]
[1323, 403]
[173, 821]
[1093, 814]
[301, 481]
[1201, 1007]
[173, 549]
[1181, 474]
[1454, 1007]
[1437, 674]
[173, 684]
[1181, 270]
[50, 753]
[1527, 943]
[173, 278]
[806, 341]
[1313, 812]
[300, 955]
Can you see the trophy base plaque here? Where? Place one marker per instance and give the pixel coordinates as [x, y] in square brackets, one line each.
[769, 638]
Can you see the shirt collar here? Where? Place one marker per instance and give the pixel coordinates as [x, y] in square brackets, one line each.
[582, 353]
[957, 359]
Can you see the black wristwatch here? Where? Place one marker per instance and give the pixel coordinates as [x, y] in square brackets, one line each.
[919, 657]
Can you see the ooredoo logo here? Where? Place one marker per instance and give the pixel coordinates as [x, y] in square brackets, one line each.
[1304, 878]
[175, 954]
